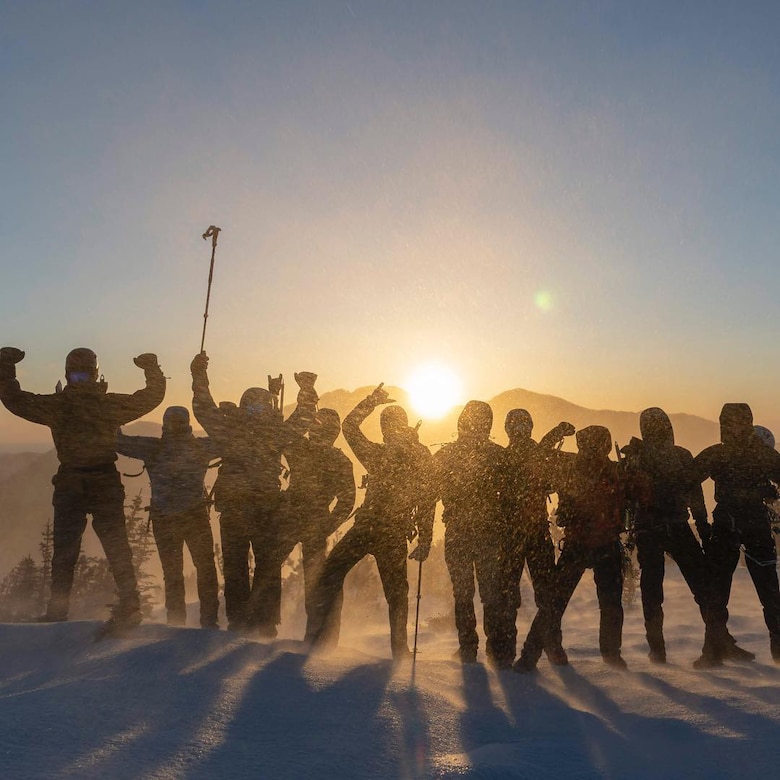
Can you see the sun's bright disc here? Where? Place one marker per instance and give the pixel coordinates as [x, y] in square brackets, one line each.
[433, 390]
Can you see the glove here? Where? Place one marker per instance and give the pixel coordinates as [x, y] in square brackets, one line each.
[147, 361]
[565, 429]
[380, 396]
[11, 355]
[420, 553]
[305, 379]
[199, 363]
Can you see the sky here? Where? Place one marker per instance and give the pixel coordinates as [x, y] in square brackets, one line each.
[575, 198]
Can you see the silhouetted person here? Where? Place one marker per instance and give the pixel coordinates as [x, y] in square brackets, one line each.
[397, 505]
[84, 419]
[662, 486]
[528, 476]
[467, 479]
[320, 474]
[250, 438]
[179, 513]
[744, 470]
[590, 509]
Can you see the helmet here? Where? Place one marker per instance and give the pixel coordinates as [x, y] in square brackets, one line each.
[765, 435]
[475, 420]
[176, 419]
[256, 401]
[81, 365]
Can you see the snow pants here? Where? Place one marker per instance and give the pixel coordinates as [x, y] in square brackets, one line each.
[531, 545]
[249, 522]
[678, 541]
[309, 530]
[607, 564]
[171, 532]
[389, 549]
[755, 535]
[469, 551]
[98, 492]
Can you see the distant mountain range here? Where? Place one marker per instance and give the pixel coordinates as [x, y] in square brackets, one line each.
[25, 477]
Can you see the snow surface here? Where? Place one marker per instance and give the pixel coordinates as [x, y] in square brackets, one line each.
[186, 703]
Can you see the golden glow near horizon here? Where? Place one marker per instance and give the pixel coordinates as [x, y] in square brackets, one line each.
[433, 389]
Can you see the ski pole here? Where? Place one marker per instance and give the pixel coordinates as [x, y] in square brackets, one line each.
[213, 234]
[417, 619]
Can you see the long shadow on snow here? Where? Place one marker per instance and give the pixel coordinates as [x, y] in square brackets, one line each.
[552, 739]
[627, 744]
[289, 726]
[415, 744]
[756, 732]
[760, 681]
[101, 713]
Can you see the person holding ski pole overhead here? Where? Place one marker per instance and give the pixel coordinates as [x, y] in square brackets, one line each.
[84, 418]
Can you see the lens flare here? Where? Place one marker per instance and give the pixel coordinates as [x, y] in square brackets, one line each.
[543, 300]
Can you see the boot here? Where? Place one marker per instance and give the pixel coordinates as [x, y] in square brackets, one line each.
[557, 656]
[524, 664]
[499, 663]
[733, 652]
[56, 610]
[774, 647]
[176, 617]
[466, 655]
[124, 618]
[615, 660]
[711, 656]
[47, 618]
[654, 632]
[708, 660]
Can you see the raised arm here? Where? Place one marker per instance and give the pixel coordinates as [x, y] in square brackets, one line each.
[206, 412]
[557, 434]
[141, 402]
[39, 409]
[366, 451]
[302, 417]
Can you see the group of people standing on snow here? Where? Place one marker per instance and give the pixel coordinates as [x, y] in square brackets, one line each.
[495, 511]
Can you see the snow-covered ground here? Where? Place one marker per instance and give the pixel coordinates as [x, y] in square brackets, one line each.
[176, 703]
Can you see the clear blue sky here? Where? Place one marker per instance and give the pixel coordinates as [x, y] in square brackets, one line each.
[578, 198]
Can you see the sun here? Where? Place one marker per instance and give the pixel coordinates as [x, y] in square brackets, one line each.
[433, 390]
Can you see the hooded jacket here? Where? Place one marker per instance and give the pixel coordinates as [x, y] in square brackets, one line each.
[661, 478]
